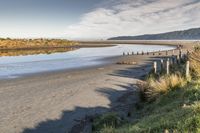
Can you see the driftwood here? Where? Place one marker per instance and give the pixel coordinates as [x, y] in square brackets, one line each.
[126, 63]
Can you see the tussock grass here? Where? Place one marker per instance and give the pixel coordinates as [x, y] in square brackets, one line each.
[155, 87]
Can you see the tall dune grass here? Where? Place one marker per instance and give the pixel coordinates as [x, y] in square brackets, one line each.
[155, 87]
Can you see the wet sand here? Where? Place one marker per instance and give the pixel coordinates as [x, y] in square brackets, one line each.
[54, 102]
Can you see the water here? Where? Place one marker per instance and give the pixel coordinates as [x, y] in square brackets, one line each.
[14, 66]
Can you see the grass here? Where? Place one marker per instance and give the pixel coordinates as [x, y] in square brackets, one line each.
[176, 111]
[171, 105]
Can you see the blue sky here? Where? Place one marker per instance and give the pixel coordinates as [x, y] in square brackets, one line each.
[95, 19]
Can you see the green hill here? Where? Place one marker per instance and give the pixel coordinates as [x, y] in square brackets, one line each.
[191, 34]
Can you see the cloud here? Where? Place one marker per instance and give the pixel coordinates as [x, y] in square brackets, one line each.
[135, 17]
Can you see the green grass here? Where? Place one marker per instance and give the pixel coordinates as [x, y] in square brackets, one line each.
[177, 111]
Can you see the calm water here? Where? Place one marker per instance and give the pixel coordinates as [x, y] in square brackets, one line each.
[14, 66]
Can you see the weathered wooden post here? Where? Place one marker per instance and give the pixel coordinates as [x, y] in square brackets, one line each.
[132, 53]
[127, 53]
[166, 53]
[155, 67]
[160, 52]
[161, 64]
[137, 53]
[170, 60]
[167, 67]
[147, 53]
[180, 54]
[173, 59]
[187, 69]
[178, 59]
[172, 52]
[124, 54]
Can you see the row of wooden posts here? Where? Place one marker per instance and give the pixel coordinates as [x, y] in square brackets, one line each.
[169, 61]
[154, 53]
[165, 65]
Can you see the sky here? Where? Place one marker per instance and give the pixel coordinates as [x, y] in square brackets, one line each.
[95, 19]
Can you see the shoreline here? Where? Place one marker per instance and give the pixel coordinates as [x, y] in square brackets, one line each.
[54, 101]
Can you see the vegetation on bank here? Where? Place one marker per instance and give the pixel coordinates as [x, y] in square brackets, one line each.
[24, 52]
[170, 104]
[33, 43]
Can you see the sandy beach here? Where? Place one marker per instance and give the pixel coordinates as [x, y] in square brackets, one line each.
[54, 102]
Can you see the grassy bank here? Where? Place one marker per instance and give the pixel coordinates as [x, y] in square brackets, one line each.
[33, 43]
[170, 103]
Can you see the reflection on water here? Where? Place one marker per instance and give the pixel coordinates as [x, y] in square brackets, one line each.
[14, 66]
[34, 51]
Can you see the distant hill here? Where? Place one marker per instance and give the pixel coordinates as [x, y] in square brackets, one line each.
[191, 34]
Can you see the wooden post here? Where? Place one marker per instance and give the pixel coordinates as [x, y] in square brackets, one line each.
[166, 53]
[173, 53]
[132, 53]
[155, 67]
[180, 54]
[173, 59]
[161, 64]
[124, 54]
[187, 69]
[137, 53]
[167, 66]
[178, 59]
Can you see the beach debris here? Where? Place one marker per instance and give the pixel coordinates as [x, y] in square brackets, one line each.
[101, 68]
[126, 63]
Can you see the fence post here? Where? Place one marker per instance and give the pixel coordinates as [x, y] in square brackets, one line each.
[155, 67]
[161, 64]
[180, 54]
[166, 53]
[187, 69]
[123, 54]
[167, 66]
[173, 59]
[178, 59]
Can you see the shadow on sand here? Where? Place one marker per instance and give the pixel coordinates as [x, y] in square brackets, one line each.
[75, 117]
